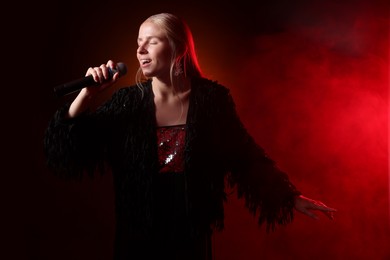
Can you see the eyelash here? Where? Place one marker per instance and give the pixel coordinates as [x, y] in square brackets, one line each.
[150, 43]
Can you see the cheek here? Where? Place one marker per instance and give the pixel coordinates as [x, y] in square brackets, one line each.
[164, 58]
[165, 54]
[167, 58]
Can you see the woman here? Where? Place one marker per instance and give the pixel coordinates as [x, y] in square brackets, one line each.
[173, 142]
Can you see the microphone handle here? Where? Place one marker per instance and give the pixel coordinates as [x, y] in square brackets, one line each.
[87, 81]
[74, 86]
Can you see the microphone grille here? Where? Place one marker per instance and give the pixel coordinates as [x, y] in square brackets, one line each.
[122, 68]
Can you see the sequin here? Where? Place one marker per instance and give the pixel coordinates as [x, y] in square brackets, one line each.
[170, 140]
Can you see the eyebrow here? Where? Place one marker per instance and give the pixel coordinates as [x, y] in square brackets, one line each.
[149, 38]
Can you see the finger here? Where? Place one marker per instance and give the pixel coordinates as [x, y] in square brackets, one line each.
[90, 71]
[330, 215]
[116, 76]
[321, 206]
[103, 73]
[310, 214]
[94, 73]
[99, 74]
[111, 64]
[329, 212]
[325, 208]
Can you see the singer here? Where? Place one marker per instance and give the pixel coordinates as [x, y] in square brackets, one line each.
[171, 141]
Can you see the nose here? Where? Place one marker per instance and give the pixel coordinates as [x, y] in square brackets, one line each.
[141, 49]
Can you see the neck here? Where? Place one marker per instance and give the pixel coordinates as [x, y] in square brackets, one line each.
[165, 89]
[171, 101]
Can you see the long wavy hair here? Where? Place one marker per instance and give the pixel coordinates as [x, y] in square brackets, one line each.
[180, 39]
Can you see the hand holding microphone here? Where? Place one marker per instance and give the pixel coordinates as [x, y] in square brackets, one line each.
[95, 77]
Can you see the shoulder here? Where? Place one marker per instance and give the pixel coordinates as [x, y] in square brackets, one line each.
[133, 92]
[211, 96]
[129, 97]
[205, 86]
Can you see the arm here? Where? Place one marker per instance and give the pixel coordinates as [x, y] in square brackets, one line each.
[267, 190]
[74, 140]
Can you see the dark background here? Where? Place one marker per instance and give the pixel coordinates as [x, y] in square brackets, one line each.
[310, 80]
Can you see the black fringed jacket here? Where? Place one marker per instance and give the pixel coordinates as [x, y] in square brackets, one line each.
[122, 135]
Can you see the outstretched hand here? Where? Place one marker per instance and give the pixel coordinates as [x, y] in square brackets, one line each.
[306, 205]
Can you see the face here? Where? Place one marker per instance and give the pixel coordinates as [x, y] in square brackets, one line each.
[154, 52]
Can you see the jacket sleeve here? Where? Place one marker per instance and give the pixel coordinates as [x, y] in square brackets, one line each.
[267, 190]
[77, 146]
[70, 145]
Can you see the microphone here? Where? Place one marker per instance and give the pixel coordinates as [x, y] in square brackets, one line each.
[87, 81]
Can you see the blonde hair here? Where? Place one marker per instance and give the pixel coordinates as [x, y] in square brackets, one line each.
[182, 44]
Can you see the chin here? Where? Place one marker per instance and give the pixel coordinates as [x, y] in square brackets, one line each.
[147, 73]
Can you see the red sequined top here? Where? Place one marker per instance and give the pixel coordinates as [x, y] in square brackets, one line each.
[171, 148]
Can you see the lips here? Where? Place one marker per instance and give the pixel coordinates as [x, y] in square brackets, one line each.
[145, 61]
